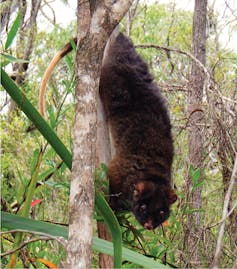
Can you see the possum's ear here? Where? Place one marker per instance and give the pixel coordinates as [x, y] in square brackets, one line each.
[139, 187]
[172, 197]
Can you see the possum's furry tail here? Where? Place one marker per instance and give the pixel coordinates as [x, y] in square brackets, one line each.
[64, 51]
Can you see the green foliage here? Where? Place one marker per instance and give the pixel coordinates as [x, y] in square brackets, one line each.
[195, 175]
[101, 181]
[101, 205]
[13, 31]
[7, 58]
[22, 144]
[10, 222]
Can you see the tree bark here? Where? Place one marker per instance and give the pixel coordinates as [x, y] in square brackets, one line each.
[96, 20]
[194, 100]
[24, 47]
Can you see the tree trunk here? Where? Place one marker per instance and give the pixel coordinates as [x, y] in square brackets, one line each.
[24, 47]
[195, 112]
[96, 20]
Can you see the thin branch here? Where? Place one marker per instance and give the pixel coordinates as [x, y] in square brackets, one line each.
[168, 39]
[168, 49]
[224, 214]
[52, 21]
[22, 245]
[60, 240]
[173, 87]
[231, 10]
[226, 217]
[210, 84]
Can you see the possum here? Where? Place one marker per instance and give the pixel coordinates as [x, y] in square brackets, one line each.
[140, 171]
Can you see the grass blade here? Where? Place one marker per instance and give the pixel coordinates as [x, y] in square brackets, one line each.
[12, 222]
[13, 31]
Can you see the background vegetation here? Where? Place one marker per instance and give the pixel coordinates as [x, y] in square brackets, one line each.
[27, 157]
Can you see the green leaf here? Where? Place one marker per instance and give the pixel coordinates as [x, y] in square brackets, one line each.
[13, 31]
[58, 185]
[46, 173]
[70, 64]
[63, 168]
[52, 119]
[195, 174]
[34, 161]
[9, 58]
[74, 45]
[11, 222]
[101, 174]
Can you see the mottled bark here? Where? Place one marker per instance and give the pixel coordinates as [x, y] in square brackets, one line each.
[195, 96]
[96, 20]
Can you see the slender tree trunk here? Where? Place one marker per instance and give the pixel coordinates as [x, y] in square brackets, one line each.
[7, 8]
[96, 20]
[84, 137]
[28, 31]
[195, 96]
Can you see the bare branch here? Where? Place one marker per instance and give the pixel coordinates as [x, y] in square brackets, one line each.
[52, 21]
[168, 49]
[60, 240]
[22, 245]
[224, 216]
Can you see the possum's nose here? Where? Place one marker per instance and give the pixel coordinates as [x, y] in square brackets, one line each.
[148, 225]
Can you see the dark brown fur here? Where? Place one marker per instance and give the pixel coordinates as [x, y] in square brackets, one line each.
[140, 172]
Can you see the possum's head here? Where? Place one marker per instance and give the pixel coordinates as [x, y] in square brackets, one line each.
[151, 203]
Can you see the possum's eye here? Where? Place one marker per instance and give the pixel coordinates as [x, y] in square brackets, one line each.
[143, 208]
[135, 192]
[162, 212]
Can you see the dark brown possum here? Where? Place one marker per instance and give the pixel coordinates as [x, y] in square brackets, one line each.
[140, 172]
